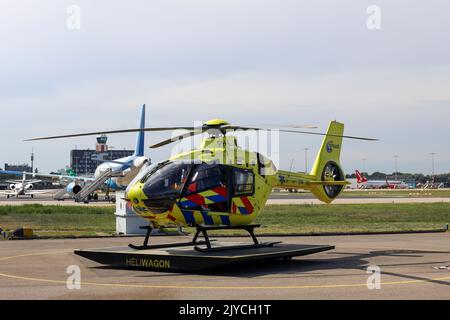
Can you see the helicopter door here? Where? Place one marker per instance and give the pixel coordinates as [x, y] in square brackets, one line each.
[243, 189]
[244, 182]
[207, 189]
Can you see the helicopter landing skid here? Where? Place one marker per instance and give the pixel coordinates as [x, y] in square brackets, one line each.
[249, 228]
[146, 246]
[167, 245]
[237, 247]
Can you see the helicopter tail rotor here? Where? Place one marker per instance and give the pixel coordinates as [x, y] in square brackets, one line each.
[327, 169]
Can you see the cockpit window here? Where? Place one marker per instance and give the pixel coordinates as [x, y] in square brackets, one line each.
[167, 179]
[142, 173]
[152, 169]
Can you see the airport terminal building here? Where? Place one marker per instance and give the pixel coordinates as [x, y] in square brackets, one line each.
[84, 162]
[18, 167]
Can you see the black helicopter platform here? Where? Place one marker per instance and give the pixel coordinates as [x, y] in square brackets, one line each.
[189, 259]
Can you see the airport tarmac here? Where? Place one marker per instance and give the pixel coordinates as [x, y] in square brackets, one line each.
[48, 200]
[281, 199]
[413, 266]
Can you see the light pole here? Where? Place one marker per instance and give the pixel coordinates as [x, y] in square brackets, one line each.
[32, 160]
[396, 166]
[306, 159]
[292, 163]
[433, 154]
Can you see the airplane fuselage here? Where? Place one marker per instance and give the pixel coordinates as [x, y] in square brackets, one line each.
[123, 170]
[18, 189]
[379, 184]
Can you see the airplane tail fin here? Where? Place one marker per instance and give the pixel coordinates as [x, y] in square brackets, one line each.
[139, 150]
[71, 173]
[359, 177]
[327, 167]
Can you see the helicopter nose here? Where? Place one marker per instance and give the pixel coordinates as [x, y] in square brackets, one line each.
[134, 194]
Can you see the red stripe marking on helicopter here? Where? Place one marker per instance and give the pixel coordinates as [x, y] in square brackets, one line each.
[234, 208]
[247, 204]
[197, 199]
[221, 190]
[171, 217]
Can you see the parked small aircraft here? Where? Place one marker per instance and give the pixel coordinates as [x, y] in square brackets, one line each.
[23, 187]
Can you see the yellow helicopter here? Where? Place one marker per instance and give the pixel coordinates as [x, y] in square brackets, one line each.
[219, 185]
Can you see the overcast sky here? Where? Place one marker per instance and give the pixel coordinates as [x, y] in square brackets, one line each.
[250, 62]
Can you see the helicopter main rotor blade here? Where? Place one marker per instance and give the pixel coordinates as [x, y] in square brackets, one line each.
[302, 132]
[110, 132]
[176, 138]
[235, 128]
[306, 126]
[194, 130]
[332, 135]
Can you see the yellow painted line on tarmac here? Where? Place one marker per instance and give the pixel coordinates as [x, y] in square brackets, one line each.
[33, 254]
[144, 286]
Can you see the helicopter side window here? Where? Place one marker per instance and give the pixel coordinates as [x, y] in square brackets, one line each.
[206, 177]
[244, 182]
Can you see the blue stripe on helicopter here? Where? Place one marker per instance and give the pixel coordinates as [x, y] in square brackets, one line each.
[207, 218]
[243, 210]
[217, 198]
[188, 216]
[225, 220]
[188, 204]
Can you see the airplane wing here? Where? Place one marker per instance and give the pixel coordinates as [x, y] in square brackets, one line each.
[15, 173]
[47, 175]
[33, 181]
[72, 178]
[40, 191]
[6, 193]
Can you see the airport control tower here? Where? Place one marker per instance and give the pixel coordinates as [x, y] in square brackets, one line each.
[101, 146]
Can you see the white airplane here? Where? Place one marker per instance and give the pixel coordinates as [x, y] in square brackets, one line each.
[23, 187]
[364, 183]
[122, 171]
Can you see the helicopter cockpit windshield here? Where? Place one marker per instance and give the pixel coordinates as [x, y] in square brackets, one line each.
[167, 179]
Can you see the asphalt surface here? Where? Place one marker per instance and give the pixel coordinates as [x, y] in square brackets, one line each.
[411, 265]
